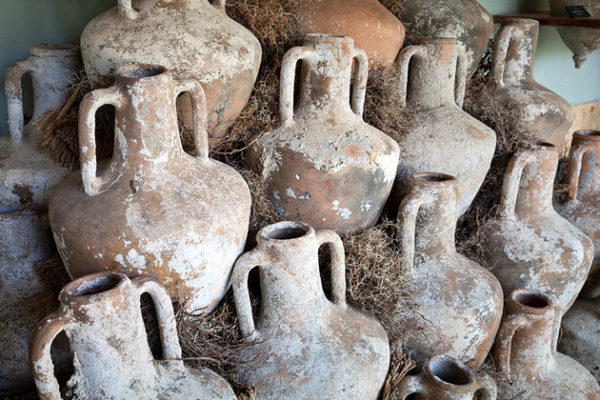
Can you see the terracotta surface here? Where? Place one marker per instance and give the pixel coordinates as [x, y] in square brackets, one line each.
[581, 41]
[539, 114]
[455, 305]
[465, 20]
[102, 318]
[193, 38]
[374, 29]
[525, 353]
[324, 165]
[444, 378]
[305, 346]
[441, 137]
[152, 209]
[582, 205]
[528, 244]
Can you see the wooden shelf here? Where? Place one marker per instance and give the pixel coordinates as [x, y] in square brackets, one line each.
[547, 19]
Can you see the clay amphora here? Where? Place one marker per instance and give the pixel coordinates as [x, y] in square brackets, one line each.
[101, 316]
[539, 114]
[152, 209]
[441, 137]
[580, 335]
[455, 305]
[193, 38]
[444, 378]
[324, 165]
[305, 346]
[28, 174]
[526, 355]
[374, 29]
[582, 207]
[528, 244]
[581, 41]
[465, 20]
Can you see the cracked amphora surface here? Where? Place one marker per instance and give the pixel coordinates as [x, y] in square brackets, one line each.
[101, 316]
[454, 305]
[152, 209]
[324, 165]
[441, 137]
[526, 356]
[303, 345]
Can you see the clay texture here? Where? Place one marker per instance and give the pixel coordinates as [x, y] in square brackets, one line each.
[581, 206]
[101, 316]
[441, 137]
[444, 378]
[455, 305]
[525, 353]
[305, 346]
[374, 29]
[152, 209]
[324, 165]
[193, 38]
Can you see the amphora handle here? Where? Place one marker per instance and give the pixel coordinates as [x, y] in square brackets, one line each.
[14, 98]
[501, 45]
[412, 384]
[486, 386]
[361, 76]
[288, 77]
[241, 293]
[575, 165]
[403, 66]
[200, 115]
[504, 340]
[512, 181]
[338, 265]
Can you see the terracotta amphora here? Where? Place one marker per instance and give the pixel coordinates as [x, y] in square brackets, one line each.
[27, 173]
[525, 353]
[445, 378]
[441, 137]
[101, 316]
[581, 41]
[582, 205]
[374, 29]
[455, 305]
[152, 209]
[528, 244]
[304, 345]
[539, 114]
[193, 38]
[465, 20]
[580, 334]
[324, 165]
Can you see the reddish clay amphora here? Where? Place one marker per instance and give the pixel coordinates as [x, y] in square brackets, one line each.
[525, 353]
[374, 29]
[152, 209]
[455, 305]
[324, 165]
[441, 137]
[101, 316]
[305, 346]
[582, 205]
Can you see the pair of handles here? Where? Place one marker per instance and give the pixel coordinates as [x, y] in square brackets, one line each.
[258, 258]
[115, 97]
[419, 384]
[128, 12]
[46, 332]
[575, 166]
[14, 97]
[288, 77]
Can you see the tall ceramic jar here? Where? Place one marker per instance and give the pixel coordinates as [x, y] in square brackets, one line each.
[525, 353]
[581, 41]
[454, 305]
[101, 316]
[305, 346]
[581, 206]
[441, 137]
[152, 209]
[374, 29]
[536, 113]
[465, 20]
[324, 165]
[528, 244]
[193, 38]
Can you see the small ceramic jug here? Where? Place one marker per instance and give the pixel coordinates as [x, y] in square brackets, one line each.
[101, 316]
[444, 378]
[526, 355]
[305, 346]
[581, 206]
